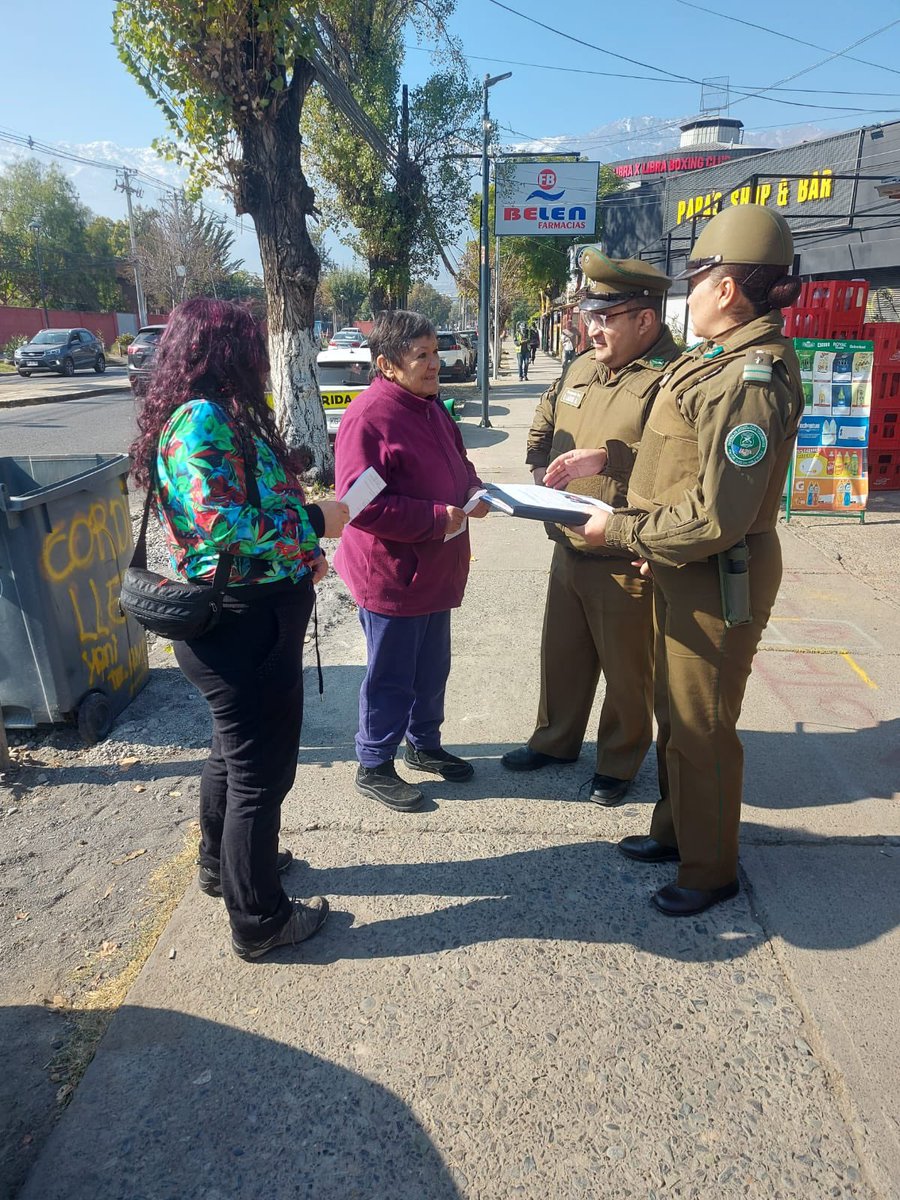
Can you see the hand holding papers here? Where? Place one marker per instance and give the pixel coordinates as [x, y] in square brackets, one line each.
[361, 493]
[543, 503]
[471, 504]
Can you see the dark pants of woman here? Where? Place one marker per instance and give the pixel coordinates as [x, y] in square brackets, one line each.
[249, 669]
[402, 694]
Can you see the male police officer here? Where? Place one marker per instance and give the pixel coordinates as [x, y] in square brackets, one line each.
[707, 482]
[598, 614]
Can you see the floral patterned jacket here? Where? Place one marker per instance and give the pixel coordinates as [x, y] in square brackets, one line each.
[202, 502]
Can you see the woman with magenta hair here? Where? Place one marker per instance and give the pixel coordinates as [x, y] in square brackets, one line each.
[405, 558]
[225, 481]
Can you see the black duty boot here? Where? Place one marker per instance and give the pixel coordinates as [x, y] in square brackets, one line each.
[438, 762]
[677, 901]
[383, 784]
[526, 759]
[608, 791]
[648, 850]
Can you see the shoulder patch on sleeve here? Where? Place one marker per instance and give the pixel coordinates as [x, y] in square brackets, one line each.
[746, 445]
[758, 366]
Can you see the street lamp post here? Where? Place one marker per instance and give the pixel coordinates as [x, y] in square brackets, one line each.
[484, 283]
[35, 228]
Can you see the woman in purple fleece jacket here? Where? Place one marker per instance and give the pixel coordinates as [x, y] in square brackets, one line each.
[401, 572]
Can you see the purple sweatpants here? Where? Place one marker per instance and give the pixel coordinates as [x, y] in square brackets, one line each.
[402, 694]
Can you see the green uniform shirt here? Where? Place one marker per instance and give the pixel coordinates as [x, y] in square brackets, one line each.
[587, 408]
[715, 451]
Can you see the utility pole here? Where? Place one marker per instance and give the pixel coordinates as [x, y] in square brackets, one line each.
[125, 186]
[484, 289]
[35, 227]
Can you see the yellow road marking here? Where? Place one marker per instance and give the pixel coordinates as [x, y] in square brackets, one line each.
[844, 654]
[859, 671]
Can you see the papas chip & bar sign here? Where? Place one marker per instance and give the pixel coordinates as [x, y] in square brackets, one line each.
[780, 193]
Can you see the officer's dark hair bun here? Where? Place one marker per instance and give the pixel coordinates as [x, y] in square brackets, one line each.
[764, 287]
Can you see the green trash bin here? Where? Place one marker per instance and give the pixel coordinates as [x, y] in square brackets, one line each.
[67, 654]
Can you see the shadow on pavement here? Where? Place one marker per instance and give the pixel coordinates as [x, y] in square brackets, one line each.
[175, 1106]
[582, 892]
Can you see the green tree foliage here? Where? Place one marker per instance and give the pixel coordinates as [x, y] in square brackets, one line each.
[343, 293]
[427, 300]
[231, 77]
[402, 210]
[77, 251]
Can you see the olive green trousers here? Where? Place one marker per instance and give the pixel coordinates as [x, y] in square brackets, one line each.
[701, 671]
[598, 617]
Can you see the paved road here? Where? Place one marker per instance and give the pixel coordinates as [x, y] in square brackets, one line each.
[93, 425]
[38, 389]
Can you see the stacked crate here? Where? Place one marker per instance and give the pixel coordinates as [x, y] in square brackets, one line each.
[884, 423]
[828, 308]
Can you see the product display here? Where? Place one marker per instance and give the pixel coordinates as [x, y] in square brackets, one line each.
[829, 469]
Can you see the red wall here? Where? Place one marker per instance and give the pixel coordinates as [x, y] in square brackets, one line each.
[31, 320]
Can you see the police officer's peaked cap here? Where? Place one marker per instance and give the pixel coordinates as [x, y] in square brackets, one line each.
[745, 233]
[612, 281]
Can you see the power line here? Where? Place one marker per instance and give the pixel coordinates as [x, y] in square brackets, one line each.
[760, 94]
[513, 62]
[788, 38]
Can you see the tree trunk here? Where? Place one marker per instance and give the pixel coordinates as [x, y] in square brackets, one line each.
[273, 190]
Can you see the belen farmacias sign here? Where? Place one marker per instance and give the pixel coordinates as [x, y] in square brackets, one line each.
[536, 199]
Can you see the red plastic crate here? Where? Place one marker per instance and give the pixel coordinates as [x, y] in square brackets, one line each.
[884, 471]
[846, 297]
[884, 430]
[886, 337]
[885, 388]
[821, 323]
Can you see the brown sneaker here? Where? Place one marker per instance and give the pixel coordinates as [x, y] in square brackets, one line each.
[307, 917]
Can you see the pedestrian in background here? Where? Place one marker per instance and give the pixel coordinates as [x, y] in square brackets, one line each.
[598, 615]
[224, 482]
[568, 340]
[405, 558]
[708, 481]
[534, 342]
[523, 352]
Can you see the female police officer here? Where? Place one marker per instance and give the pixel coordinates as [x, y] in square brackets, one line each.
[707, 482]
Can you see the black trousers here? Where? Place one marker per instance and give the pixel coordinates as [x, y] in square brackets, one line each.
[249, 670]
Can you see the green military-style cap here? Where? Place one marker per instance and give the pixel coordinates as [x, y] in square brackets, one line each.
[612, 281]
[743, 234]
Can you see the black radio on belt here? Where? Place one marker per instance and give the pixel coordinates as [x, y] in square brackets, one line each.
[734, 582]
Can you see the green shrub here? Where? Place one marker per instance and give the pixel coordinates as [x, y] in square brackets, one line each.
[8, 350]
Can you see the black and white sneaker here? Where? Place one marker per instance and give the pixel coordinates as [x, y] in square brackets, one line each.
[307, 917]
[210, 881]
[439, 762]
[382, 783]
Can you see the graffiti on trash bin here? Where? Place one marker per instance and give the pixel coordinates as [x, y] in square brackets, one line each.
[81, 560]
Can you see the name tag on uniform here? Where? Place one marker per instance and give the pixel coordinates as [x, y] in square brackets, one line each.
[570, 396]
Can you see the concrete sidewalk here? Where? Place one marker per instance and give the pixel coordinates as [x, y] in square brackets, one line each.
[494, 1009]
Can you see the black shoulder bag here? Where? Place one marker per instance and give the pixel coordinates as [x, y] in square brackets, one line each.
[175, 609]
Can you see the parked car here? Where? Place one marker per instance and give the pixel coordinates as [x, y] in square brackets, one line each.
[348, 337]
[466, 341]
[455, 357]
[63, 351]
[142, 356]
[343, 372]
[471, 335]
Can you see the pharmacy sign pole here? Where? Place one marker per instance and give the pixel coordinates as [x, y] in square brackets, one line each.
[829, 469]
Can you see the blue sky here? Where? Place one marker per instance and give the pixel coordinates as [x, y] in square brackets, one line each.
[78, 93]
